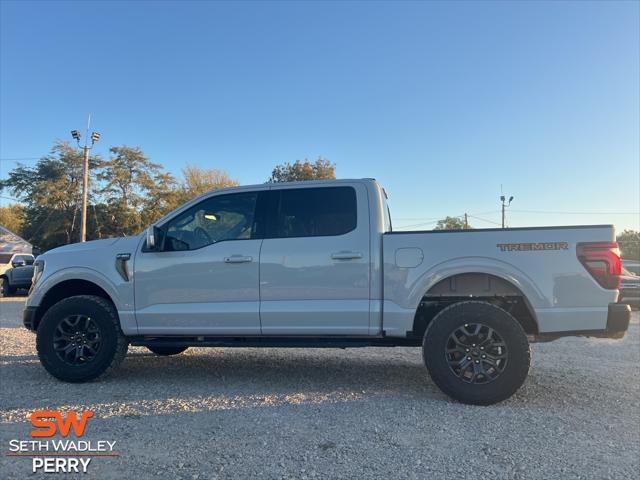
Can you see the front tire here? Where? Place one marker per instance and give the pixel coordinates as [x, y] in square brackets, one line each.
[166, 351]
[476, 353]
[79, 339]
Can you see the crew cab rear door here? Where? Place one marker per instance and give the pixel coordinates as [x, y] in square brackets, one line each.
[315, 261]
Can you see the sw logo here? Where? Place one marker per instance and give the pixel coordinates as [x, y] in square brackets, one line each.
[48, 428]
[61, 455]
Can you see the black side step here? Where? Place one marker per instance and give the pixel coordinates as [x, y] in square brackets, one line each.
[273, 342]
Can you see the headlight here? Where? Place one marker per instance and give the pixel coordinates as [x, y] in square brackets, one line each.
[38, 268]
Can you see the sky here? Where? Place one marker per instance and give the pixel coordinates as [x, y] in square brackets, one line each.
[445, 104]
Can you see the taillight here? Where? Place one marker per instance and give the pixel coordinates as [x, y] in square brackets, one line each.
[602, 261]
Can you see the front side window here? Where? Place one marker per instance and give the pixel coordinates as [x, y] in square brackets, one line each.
[313, 212]
[218, 218]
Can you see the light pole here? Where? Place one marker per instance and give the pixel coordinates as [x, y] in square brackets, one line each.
[504, 206]
[95, 136]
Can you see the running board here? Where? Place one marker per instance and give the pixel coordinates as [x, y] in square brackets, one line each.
[273, 342]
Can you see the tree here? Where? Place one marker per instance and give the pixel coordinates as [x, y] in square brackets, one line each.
[12, 217]
[50, 192]
[197, 181]
[301, 171]
[629, 241]
[451, 223]
[136, 190]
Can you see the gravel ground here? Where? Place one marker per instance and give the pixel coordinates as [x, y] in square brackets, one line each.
[360, 413]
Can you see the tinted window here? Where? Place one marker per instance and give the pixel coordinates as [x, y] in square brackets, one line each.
[5, 257]
[28, 259]
[313, 212]
[223, 217]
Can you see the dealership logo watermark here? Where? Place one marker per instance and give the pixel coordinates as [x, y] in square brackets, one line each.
[61, 455]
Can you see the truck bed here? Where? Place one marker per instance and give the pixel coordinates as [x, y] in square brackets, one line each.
[540, 262]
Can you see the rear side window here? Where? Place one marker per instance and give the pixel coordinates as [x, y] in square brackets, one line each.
[312, 212]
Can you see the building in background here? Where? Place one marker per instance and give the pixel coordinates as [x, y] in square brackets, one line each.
[12, 243]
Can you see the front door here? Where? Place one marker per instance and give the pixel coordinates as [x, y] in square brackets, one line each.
[314, 263]
[203, 277]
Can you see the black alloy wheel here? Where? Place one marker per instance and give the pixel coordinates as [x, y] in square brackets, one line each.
[77, 340]
[476, 353]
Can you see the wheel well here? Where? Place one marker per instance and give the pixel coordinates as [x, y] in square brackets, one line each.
[66, 289]
[473, 286]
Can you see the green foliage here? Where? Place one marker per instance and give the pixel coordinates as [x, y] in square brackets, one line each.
[136, 191]
[301, 171]
[12, 218]
[451, 223]
[629, 241]
[127, 192]
[50, 192]
[197, 181]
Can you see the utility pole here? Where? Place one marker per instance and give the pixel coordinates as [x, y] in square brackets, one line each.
[504, 206]
[95, 136]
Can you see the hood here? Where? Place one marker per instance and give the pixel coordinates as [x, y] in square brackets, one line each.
[82, 246]
[88, 248]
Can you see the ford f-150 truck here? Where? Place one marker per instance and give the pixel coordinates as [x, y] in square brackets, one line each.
[316, 264]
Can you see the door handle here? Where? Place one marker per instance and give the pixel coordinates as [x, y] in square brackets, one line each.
[238, 259]
[346, 255]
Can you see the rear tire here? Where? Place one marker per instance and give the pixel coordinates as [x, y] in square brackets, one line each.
[166, 351]
[476, 353]
[79, 339]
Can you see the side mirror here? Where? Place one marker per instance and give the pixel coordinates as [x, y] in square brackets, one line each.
[153, 238]
[18, 263]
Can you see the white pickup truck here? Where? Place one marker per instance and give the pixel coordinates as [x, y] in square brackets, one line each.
[316, 264]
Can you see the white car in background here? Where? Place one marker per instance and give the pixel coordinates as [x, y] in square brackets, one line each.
[16, 272]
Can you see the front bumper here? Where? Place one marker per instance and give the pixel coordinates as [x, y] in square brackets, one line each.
[29, 318]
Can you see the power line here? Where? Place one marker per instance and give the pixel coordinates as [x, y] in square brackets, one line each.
[18, 159]
[417, 218]
[485, 220]
[474, 215]
[575, 213]
[419, 224]
[440, 218]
